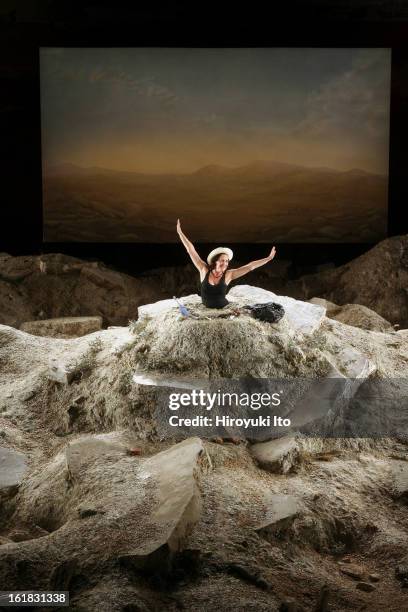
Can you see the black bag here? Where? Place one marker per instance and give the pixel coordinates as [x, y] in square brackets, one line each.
[270, 312]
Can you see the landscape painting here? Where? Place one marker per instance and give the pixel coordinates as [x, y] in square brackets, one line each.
[245, 145]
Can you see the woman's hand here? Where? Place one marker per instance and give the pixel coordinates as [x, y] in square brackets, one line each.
[178, 226]
[238, 272]
[272, 254]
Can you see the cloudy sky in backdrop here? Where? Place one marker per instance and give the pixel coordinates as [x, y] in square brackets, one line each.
[159, 110]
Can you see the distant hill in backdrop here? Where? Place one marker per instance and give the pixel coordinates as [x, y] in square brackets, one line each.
[263, 201]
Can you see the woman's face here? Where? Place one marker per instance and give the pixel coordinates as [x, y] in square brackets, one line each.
[222, 263]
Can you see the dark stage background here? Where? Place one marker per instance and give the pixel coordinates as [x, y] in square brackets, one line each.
[28, 26]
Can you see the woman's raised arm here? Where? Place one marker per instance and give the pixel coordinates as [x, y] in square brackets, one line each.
[195, 258]
[237, 272]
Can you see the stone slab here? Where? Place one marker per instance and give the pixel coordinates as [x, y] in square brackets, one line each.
[174, 382]
[178, 500]
[280, 510]
[303, 317]
[63, 327]
[12, 467]
[279, 456]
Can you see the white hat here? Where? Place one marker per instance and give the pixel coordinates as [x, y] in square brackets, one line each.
[219, 250]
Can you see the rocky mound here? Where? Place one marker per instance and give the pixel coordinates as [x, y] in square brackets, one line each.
[361, 316]
[56, 285]
[355, 315]
[98, 502]
[377, 279]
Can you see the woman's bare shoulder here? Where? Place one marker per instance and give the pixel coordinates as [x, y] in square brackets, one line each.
[203, 272]
[228, 276]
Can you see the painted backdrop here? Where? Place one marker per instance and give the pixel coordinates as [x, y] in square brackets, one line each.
[243, 144]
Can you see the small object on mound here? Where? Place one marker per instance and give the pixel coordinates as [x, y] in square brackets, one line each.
[184, 311]
[270, 311]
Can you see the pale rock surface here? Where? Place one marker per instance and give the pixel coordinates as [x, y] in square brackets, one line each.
[59, 372]
[157, 308]
[281, 510]
[279, 456]
[399, 472]
[351, 363]
[303, 317]
[328, 397]
[178, 498]
[179, 382]
[13, 466]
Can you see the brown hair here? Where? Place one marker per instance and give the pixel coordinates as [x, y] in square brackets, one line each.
[211, 265]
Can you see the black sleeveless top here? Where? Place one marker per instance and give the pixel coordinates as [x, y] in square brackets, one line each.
[213, 296]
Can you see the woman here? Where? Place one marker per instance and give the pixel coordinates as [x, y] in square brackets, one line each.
[215, 277]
